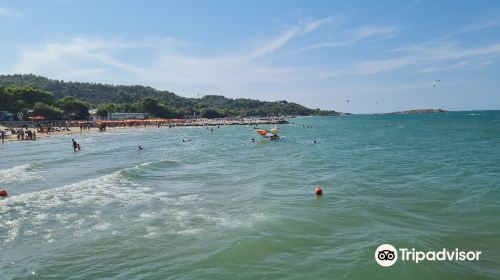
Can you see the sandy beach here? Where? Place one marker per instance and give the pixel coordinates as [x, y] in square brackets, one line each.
[75, 130]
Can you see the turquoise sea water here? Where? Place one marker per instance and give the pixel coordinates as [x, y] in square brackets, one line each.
[222, 207]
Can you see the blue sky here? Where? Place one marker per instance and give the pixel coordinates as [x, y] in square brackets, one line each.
[382, 56]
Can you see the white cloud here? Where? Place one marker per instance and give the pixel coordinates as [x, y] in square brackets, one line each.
[90, 74]
[61, 58]
[447, 51]
[457, 65]
[355, 36]
[311, 25]
[426, 56]
[448, 55]
[88, 59]
[371, 67]
[377, 32]
[481, 25]
[169, 63]
[303, 28]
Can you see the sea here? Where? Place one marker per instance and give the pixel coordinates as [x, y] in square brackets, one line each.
[220, 206]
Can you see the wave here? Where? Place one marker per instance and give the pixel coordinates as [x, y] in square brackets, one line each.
[21, 173]
[71, 207]
[144, 169]
[108, 203]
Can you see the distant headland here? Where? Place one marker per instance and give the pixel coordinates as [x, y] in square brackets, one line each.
[417, 111]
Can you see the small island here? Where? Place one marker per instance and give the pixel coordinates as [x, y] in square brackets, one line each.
[418, 111]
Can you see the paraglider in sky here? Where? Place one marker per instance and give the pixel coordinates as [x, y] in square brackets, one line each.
[436, 82]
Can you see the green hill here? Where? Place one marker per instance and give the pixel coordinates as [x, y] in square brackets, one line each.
[137, 98]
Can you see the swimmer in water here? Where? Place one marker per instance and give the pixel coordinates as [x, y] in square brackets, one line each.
[140, 148]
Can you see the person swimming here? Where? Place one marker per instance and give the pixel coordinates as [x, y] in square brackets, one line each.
[140, 148]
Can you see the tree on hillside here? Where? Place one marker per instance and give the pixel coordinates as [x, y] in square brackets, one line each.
[48, 111]
[212, 114]
[6, 99]
[157, 109]
[102, 111]
[31, 95]
[73, 107]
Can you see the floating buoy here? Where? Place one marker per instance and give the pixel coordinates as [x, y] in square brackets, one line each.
[318, 190]
[3, 193]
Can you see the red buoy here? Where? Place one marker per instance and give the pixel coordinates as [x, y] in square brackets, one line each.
[318, 190]
[3, 193]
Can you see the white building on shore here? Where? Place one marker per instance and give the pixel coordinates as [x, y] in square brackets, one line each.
[127, 116]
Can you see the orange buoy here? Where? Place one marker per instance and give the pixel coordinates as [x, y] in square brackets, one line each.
[318, 190]
[3, 193]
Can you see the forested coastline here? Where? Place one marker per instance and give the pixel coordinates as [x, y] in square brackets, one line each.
[60, 99]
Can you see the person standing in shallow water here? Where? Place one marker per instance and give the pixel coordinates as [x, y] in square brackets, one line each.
[75, 145]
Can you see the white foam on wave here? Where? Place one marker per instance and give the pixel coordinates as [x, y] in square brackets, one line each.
[146, 164]
[12, 228]
[192, 214]
[227, 221]
[97, 191]
[82, 208]
[21, 173]
[147, 215]
[191, 231]
[198, 221]
[151, 231]
[187, 199]
[76, 207]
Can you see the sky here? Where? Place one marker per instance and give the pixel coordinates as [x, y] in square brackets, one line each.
[348, 56]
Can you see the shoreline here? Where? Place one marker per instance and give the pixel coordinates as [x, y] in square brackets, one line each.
[75, 130]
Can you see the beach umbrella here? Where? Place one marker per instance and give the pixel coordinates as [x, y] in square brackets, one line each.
[36, 118]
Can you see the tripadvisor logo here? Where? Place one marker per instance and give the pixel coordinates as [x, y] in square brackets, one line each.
[386, 255]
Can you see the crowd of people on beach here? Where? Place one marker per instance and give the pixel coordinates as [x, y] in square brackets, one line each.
[86, 126]
[23, 130]
[50, 128]
[21, 133]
